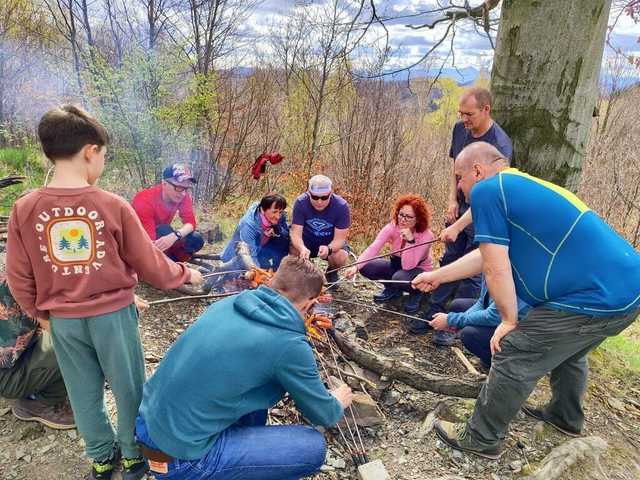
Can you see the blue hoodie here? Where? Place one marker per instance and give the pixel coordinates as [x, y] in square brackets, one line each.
[249, 230]
[479, 315]
[240, 356]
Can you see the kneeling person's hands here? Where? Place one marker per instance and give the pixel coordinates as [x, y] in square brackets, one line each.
[439, 321]
[343, 394]
[426, 282]
[196, 278]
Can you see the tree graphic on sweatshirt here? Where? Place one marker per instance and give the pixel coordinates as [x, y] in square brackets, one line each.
[83, 243]
[64, 244]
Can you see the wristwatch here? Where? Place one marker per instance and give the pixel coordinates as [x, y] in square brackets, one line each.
[178, 234]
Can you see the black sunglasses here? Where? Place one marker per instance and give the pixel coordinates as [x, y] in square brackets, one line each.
[318, 197]
[178, 188]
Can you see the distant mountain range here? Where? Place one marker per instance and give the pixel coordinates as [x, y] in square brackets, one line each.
[462, 76]
[468, 75]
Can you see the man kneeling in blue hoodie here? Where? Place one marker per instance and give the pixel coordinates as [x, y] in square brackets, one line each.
[203, 412]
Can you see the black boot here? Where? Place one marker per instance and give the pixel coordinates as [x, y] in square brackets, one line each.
[420, 327]
[387, 294]
[412, 304]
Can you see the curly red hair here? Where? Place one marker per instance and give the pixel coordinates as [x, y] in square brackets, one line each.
[420, 207]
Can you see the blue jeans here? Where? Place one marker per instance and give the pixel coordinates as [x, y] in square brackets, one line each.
[183, 249]
[250, 450]
[476, 339]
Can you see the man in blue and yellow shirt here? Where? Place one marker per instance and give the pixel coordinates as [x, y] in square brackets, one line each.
[540, 242]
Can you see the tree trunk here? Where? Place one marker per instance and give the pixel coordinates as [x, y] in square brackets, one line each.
[545, 82]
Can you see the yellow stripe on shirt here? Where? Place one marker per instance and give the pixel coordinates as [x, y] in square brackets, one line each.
[563, 192]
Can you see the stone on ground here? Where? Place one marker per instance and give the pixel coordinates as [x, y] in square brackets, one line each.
[563, 457]
[373, 471]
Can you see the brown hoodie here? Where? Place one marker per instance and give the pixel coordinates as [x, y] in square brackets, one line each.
[75, 252]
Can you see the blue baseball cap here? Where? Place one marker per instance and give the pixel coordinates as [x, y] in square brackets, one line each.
[178, 172]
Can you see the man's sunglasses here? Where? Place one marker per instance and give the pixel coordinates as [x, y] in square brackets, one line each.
[178, 188]
[319, 197]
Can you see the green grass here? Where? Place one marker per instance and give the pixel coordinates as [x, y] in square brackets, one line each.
[26, 161]
[620, 355]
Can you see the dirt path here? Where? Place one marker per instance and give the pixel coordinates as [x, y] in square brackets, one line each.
[28, 450]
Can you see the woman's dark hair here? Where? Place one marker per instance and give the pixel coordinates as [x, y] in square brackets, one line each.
[273, 200]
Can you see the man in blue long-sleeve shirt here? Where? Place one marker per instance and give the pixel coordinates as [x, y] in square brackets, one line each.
[476, 322]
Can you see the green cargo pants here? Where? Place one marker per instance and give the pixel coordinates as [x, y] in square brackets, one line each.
[545, 341]
[35, 373]
[93, 349]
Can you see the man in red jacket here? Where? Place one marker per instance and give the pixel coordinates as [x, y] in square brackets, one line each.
[157, 206]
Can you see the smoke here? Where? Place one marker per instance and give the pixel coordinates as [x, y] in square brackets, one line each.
[31, 82]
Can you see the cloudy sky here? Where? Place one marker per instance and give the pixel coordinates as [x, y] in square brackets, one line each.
[471, 48]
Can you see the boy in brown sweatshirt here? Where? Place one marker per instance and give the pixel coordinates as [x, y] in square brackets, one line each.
[74, 255]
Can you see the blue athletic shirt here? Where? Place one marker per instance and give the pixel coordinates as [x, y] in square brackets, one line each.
[562, 254]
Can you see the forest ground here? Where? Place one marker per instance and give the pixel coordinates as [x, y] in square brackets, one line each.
[612, 405]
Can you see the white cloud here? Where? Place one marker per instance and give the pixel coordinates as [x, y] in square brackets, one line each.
[470, 47]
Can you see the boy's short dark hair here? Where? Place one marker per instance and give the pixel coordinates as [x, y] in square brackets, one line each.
[298, 279]
[273, 198]
[64, 131]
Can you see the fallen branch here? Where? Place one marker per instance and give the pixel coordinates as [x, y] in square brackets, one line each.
[403, 372]
[465, 361]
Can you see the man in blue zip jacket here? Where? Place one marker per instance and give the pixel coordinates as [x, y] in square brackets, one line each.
[264, 229]
[476, 321]
[203, 412]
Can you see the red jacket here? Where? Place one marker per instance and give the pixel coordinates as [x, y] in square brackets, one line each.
[152, 211]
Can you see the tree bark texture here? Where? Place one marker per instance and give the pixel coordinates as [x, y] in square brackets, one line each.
[545, 82]
[403, 372]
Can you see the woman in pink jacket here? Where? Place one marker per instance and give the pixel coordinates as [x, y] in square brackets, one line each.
[410, 219]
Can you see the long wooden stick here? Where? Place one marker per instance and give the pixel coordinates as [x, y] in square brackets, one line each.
[192, 297]
[215, 274]
[383, 255]
[375, 307]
